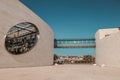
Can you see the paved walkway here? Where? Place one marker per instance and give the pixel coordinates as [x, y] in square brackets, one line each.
[61, 72]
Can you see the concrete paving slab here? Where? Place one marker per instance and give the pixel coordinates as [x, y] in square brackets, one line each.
[61, 72]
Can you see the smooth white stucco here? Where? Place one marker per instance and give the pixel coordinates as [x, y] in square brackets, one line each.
[108, 47]
[13, 12]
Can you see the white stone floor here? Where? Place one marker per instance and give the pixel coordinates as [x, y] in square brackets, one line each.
[61, 72]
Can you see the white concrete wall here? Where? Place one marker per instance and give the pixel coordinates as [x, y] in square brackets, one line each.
[13, 12]
[108, 48]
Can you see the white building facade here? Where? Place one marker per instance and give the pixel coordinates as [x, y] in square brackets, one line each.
[25, 39]
[108, 47]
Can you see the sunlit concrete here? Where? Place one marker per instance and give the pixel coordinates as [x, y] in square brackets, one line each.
[62, 72]
[108, 47]
[13, 12]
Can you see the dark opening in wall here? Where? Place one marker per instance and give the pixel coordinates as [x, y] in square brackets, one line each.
[118, 28]
[21, 38]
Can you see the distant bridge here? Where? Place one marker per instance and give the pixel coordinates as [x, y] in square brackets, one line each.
[74, 43]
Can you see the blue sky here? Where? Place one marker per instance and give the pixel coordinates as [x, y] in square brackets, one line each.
[77, 18]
